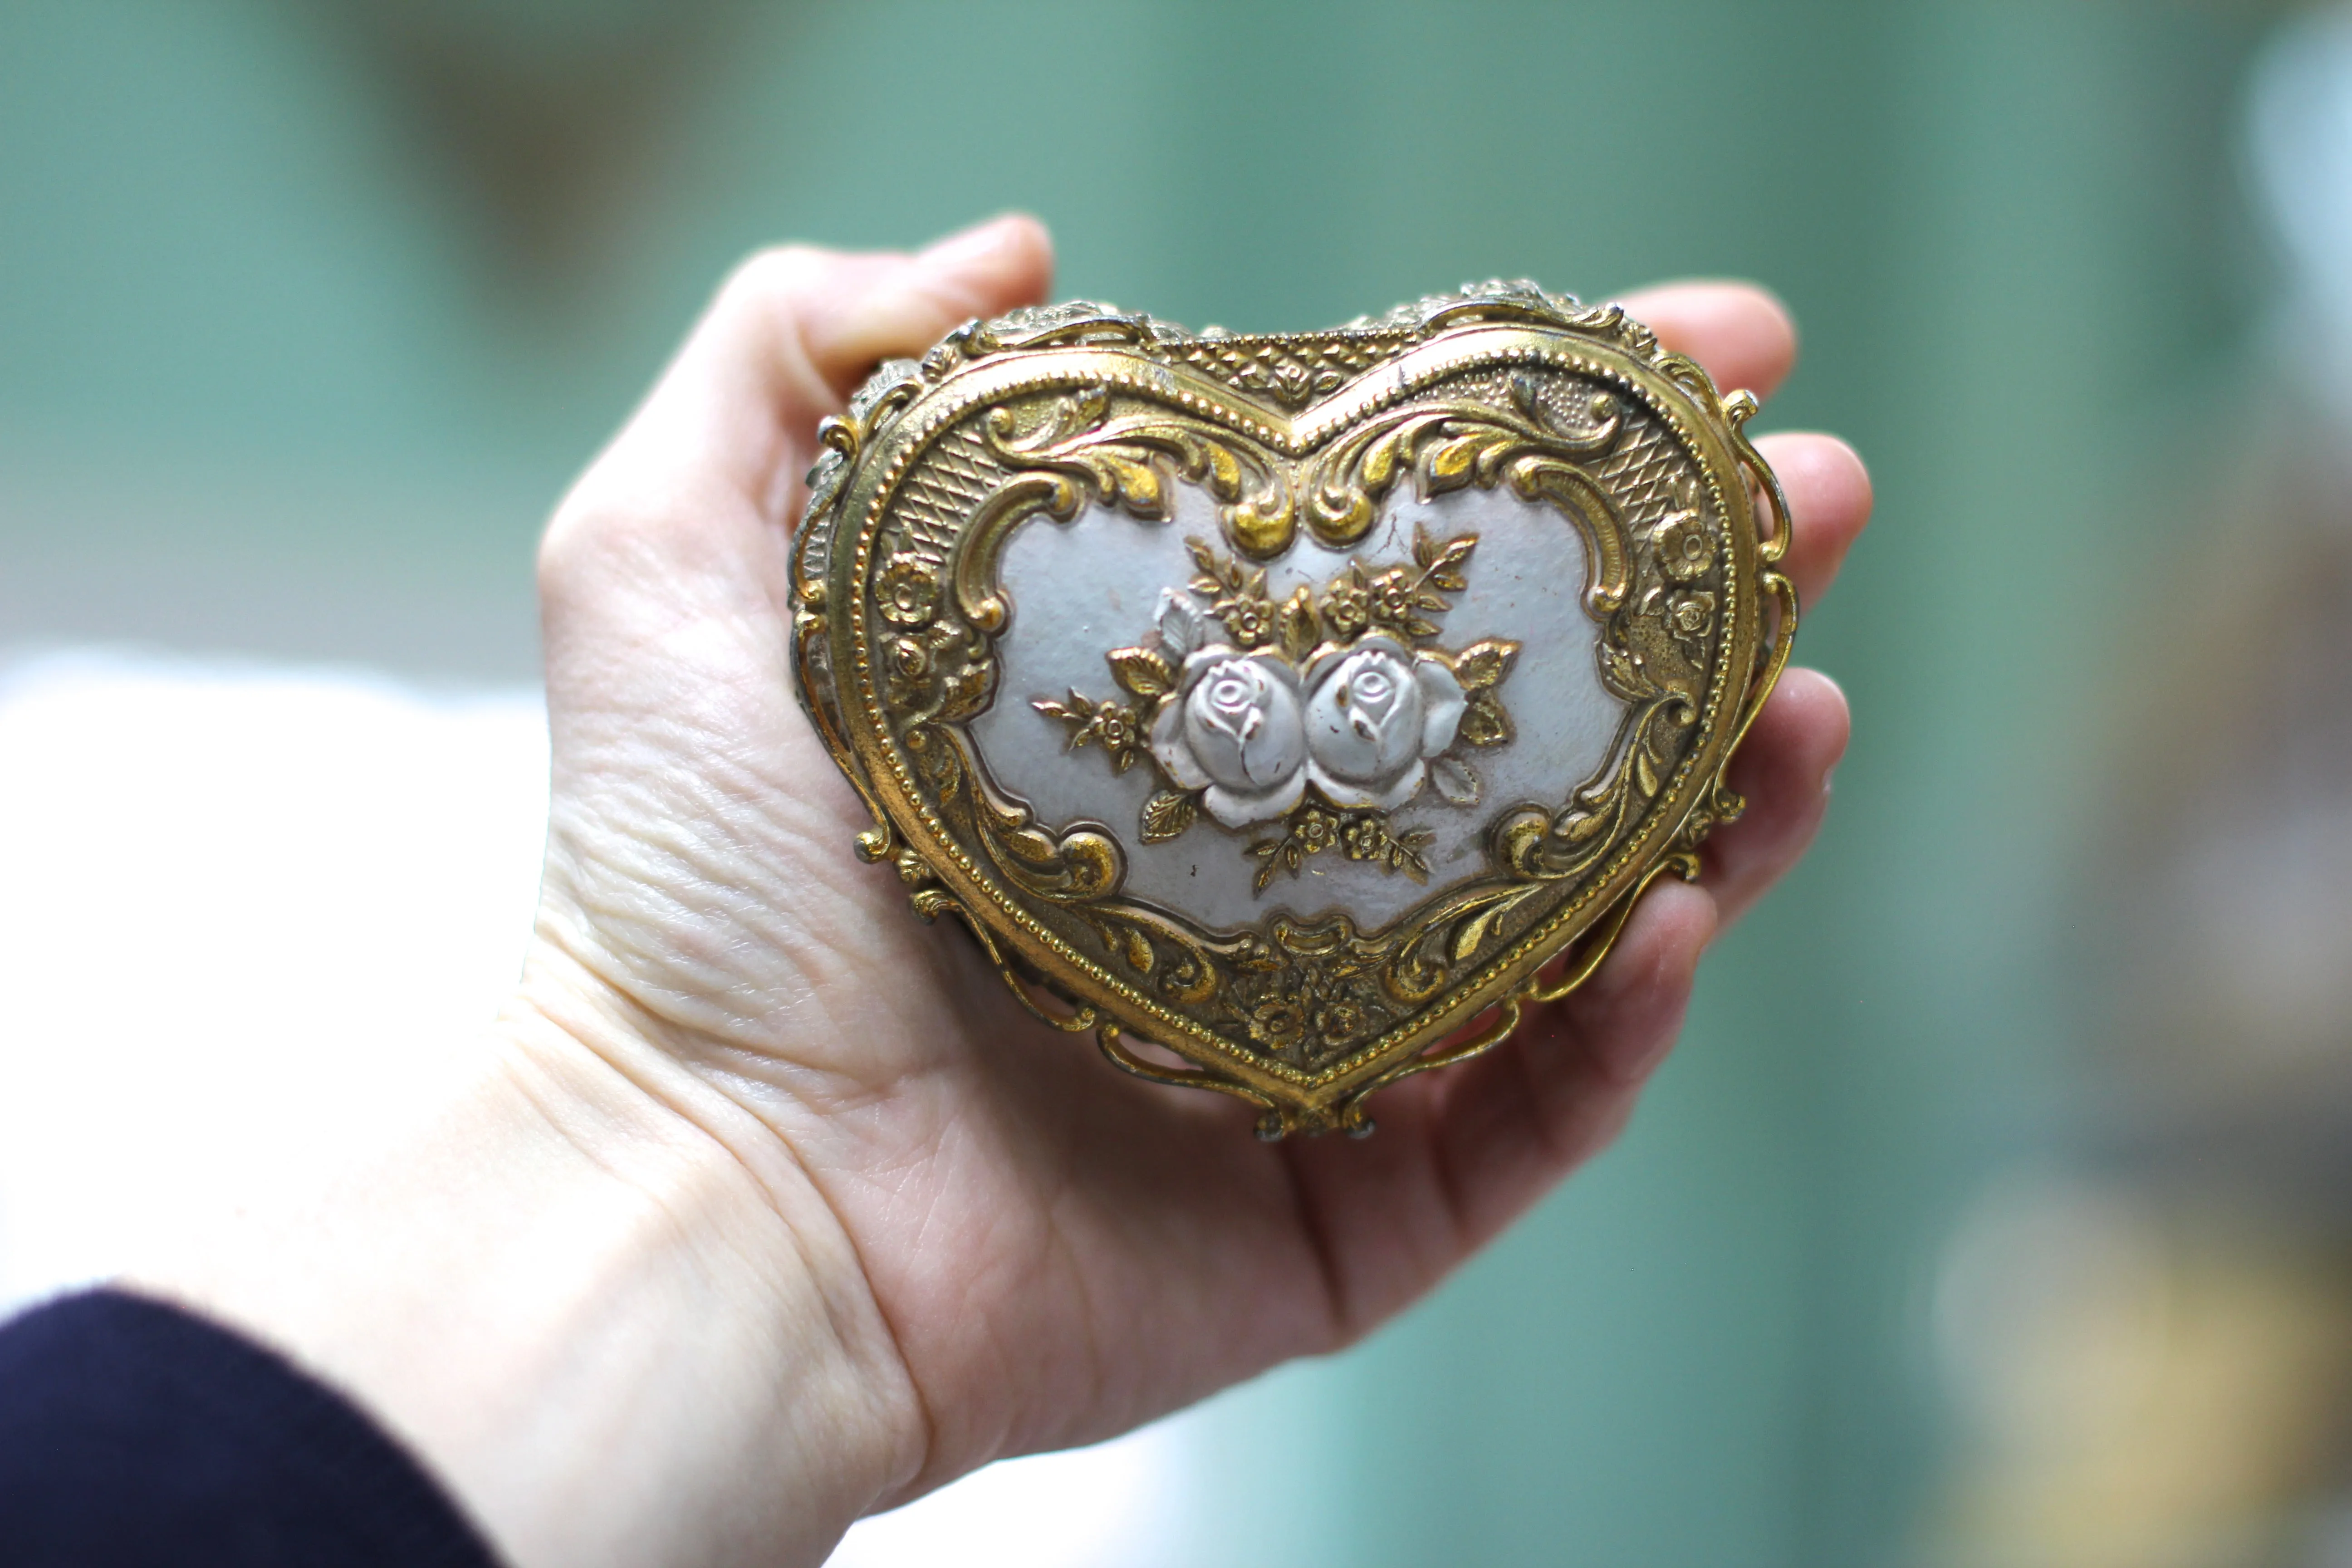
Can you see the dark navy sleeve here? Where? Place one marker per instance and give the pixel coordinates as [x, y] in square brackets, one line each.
[133, 1434]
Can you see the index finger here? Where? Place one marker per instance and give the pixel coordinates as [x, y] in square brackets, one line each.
[1741, 334]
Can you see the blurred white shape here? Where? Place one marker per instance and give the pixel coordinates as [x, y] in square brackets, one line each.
[230, 896]
[2050, 1309]
[1121, 1502]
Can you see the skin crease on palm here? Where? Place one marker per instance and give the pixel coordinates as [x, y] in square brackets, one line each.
[941, 1233]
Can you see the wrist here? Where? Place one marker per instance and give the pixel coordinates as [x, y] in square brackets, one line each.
[619, 1324]
[751, 1351]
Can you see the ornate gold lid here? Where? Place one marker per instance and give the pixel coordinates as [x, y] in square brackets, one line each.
[1291, 702]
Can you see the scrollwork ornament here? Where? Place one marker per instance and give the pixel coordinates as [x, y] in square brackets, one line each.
[1460, 612]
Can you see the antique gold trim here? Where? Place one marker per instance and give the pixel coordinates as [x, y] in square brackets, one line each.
[1043, 414]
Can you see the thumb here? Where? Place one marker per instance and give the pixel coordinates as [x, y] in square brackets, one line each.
[711, 457]
[793, 331]
[978, 271]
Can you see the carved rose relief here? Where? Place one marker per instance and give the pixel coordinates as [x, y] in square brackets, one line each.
[1321, 712]
[1233, 730]
[1375, 715]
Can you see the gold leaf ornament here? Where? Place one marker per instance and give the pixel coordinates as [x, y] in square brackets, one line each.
[1142, 671]
[1484, 663]
[1301, 628]
[1167, 814]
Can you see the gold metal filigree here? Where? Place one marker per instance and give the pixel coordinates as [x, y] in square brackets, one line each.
[1034, 418]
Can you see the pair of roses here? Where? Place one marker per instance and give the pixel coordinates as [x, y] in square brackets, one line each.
[1251, 730]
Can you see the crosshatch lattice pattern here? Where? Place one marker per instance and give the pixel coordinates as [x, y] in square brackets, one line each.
[1292, 373]
[939, 497]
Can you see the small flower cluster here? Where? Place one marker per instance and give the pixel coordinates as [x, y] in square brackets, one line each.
[932, 666]
[1684, 549]
[1685, 554]
[1398, 601]
[1302, 1016]
[1359, 836]
[906, 591]
[1690, 616]
[1115, 726]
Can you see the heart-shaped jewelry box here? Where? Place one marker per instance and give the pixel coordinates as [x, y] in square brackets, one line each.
[1290, 712]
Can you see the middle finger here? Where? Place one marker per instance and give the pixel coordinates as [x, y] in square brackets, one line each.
[1829, 503]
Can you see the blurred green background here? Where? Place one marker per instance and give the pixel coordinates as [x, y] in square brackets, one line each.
[309, 307]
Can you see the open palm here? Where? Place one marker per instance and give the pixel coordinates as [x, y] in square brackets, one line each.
[1052, 1251]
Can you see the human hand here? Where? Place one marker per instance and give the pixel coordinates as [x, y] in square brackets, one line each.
[1032, 1249]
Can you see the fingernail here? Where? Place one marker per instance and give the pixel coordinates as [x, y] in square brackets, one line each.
[967, 246]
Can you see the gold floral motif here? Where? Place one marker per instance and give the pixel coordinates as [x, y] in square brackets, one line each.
[1360, 836]
[908, 592]
[1113, 725]
[943, 673]
[1315, 829]
[1690, 616]
[1685, 551]
[1278, 1022]
[1363, 839]
[1348, 604]
[1341, 1022]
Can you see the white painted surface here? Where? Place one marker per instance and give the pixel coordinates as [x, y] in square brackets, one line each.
[1081, 589]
